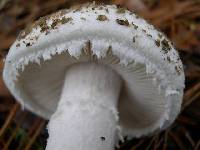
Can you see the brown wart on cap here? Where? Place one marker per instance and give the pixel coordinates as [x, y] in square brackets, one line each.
[134, 38]
[122, 22]
[157, 42]
[121, 10]
[18, 45]
[42, 23]
[165, 46]
[102, 18]
[149, 35]
[168, 59]
[143, 30]
[63, 20]
[107, 10]
[135, 26]
[82, 18]
[178, 69]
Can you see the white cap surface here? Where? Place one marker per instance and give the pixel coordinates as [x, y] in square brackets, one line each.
[144, 58]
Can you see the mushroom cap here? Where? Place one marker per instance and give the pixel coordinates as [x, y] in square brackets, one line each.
[147, 62]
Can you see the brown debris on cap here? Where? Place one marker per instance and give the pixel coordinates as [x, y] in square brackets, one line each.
[122, 22]
[165, 46]
[102, 18]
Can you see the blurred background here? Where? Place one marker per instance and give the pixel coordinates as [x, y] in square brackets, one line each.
[178, 19]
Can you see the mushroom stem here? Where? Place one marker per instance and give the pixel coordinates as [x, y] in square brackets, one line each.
[86, 117]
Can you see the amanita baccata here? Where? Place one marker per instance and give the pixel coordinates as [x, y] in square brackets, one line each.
[98, 73]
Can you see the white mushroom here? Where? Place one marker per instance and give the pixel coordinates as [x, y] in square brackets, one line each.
[98, 73]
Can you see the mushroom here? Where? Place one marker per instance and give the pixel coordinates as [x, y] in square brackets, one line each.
[98, 72]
